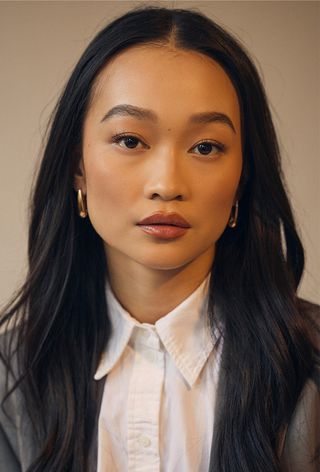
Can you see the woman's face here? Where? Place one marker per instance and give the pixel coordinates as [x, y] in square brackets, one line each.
[181, 153]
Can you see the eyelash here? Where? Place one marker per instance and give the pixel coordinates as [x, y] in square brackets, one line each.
[221, 147]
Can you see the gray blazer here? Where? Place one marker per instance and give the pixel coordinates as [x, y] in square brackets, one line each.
[300, 444]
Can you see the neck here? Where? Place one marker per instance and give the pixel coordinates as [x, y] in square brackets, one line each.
[149, 294]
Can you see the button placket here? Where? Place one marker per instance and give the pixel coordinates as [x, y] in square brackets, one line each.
[144, 400]
[144, 441]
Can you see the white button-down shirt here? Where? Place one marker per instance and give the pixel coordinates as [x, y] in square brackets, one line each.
[157, 408]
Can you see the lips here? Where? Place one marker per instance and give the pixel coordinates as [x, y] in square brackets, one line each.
[161, 218]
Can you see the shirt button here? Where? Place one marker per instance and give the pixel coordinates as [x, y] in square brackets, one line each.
[144, 441]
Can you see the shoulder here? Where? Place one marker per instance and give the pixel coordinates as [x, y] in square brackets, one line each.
[8, 376]
[310, 311]
[16, 436]
[301, 451]
[9, 441]
[11, 397]
[311, 314]
[8, 364]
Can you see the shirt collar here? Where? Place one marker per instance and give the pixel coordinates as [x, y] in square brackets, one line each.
[184, 332]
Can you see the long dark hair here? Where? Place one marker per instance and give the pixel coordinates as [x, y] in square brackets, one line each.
[59, 319]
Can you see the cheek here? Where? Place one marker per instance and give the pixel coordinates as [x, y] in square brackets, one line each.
[217, 196]
[216, 206]
[107, 187]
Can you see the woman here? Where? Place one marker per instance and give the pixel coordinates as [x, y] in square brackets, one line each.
[159, 327]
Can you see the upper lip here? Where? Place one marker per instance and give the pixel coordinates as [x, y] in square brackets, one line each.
[166, 219]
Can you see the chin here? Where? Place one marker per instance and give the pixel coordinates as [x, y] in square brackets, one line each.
[162, 262]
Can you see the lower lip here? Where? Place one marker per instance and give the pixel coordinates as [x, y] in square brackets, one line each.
[163, 231]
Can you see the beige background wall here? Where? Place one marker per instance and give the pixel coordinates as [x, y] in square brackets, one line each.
[41, 41]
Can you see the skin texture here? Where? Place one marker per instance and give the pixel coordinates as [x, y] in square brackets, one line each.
[166, 170]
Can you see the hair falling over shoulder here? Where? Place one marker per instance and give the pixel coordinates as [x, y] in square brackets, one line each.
[59, 321]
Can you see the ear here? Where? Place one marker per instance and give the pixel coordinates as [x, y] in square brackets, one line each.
[242, 184]
[79, 180]
[237, 196]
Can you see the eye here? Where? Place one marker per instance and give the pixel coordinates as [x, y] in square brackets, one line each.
[129, 140]
[208, 147]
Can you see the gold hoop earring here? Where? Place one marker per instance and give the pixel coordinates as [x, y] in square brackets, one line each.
[233, 220]
[81, 205]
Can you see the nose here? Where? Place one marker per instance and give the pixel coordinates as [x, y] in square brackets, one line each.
[166, 178]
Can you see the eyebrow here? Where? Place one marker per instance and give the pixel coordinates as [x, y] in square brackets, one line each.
[145, 114]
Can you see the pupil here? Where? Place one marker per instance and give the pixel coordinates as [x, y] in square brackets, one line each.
[205, 147]
[131, 142]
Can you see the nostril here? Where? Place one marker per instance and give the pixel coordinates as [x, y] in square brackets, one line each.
[156, 195]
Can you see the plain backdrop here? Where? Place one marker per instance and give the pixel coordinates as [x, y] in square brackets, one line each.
[40, 43]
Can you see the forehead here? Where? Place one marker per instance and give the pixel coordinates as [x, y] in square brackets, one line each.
[168, 80]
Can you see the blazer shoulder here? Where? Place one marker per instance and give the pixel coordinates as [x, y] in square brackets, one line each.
[311, 313]
[301, 451]
[17, 440]
[310, 310]
[9, 442]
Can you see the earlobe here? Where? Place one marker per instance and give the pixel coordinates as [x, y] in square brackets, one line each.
[233, 220]
[79, 180]
[82, 205]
